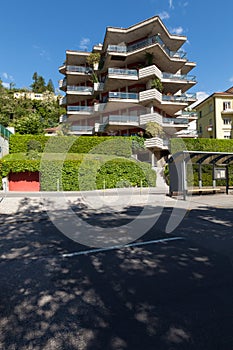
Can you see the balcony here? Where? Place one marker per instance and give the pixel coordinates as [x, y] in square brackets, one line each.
[81, 129]
[175, 121]
[227, 111]
[185, 98]
[80, 109]
[115, 73]
[63, 101]
[126, 96]
[80, 90]
[150, 71]
[63, 118]
[151, 117]
[178, 77]
[190, 115]
[62, 83]
[149, 95]
[124, 49]
[79, 69]
[157, 142]
[122, 120]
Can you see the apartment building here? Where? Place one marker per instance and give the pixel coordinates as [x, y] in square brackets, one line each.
[137, 75]
[215, 115]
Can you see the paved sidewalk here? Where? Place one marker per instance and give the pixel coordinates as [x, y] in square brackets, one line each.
[13, 202]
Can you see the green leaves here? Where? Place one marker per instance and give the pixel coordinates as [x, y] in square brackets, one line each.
[201, 144]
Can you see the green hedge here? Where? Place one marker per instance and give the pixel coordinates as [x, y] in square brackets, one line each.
[120, 146]
[86, 173]
[125, 173]
[208, 145]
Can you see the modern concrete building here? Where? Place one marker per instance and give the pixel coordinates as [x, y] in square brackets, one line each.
[215, 115]
[141, 75]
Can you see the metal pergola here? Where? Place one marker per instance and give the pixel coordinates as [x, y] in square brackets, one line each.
[178, 162]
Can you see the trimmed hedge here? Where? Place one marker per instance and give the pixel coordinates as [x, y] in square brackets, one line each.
[87, 173]
[208, 145]
[120, 146]
[125, 173]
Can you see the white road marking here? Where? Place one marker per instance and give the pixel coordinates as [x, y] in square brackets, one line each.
[137, 244]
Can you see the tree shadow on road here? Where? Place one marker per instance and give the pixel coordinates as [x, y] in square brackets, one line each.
[170, 296]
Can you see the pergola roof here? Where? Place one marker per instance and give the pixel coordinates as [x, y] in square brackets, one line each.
[202, 157]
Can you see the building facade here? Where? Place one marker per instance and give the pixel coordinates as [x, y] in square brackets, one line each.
[45, 96]
[215, 116]
[137, 75]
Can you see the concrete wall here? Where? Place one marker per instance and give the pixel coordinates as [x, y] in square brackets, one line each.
[4, 147]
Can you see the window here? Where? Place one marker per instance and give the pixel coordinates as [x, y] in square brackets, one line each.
[227, 135]
[200, 129]
[200, 114]
[226, 105]
[227, 121]
[210, 107]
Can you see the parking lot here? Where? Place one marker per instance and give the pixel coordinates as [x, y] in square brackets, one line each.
[168, 289]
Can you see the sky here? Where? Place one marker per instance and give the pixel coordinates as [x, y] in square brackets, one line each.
[36, 34]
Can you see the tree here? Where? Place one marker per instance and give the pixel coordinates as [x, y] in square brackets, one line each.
[39, 83]
[50, 86]
[30, 124]
[153, 129]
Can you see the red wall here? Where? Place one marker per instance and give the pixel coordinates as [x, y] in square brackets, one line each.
[24, 181]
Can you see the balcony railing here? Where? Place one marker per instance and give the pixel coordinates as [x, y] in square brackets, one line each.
[123, 95]
[180, 98]
[179, 77]
[82, 89]
[123, 119]
[122, 72]
[175, 121]
[79, 69]
[88, 109]
[81, 128]
[144, 43]
[189, 114]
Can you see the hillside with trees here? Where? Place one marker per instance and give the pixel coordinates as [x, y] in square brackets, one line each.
[29, 116]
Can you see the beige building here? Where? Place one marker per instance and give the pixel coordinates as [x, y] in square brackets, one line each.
[215, 115]
[36, 96]
[141, 76]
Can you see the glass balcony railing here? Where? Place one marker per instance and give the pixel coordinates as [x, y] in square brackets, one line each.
[181, 98]
[179, 77]
[189, 114]
[123, 95]
[88, 109]
[79, 69]
[144, 43]
[81, 128]
[128, 72]
[175, 121]
[80, 88]
[117, 48]
[124, 119]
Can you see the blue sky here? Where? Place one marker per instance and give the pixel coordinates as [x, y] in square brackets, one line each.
[35, 35]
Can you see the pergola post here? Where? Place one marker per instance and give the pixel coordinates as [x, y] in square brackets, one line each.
[199, 175]
[184, 180]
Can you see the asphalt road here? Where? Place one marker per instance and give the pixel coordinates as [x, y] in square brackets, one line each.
[170, 291]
